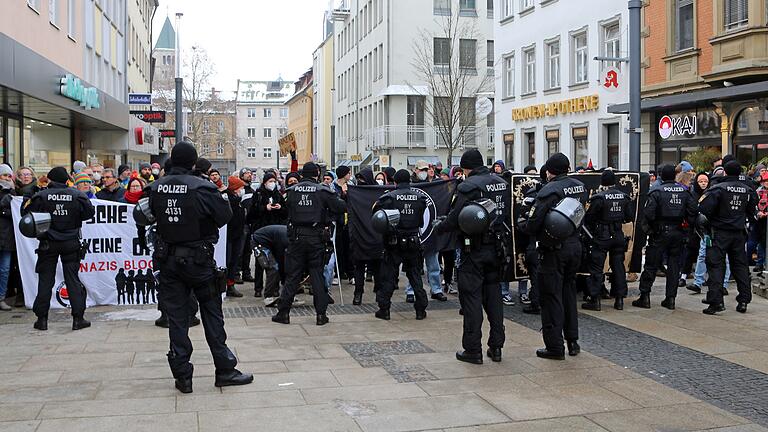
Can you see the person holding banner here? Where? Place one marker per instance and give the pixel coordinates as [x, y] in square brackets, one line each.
[7, 237]
[402, 245]
[68, 208]
[480, 268]
[189, 212]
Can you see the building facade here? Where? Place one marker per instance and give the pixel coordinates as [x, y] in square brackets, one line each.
[300, 118]
[80, 48]
[549, 92]
[704, 81]
[217, 140]
[384, 102]
[261, 120]
[322, 106]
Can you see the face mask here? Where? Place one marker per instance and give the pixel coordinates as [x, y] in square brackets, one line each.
[155, 171]
[422, 175]
[96, 176]
[271, 186]
[380, 182]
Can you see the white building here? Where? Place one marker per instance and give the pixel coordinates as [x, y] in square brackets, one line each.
[262, 119]
[548, 85]
[381, 102]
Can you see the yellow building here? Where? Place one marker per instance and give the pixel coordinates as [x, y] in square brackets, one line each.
[322, 102]
[300, 118]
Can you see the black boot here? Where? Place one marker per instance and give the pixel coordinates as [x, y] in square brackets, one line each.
[282, 317]
[41, 323]
[194, 321]
[469, 357]
[421, 314]
[322, 319]
[357, 299]
[643, 302]
[494, 354]
[232, 378]
[383, 313]
[547, 354]
[713, 309]
[669, 303]
[694, 288]
[593, 304]
[184, 385]
[162, 321]
[79, 323]
[233, 292]
[532, 309]
[741, 307]
[618, 304]
[573, 348]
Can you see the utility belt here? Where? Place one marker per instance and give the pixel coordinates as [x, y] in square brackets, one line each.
[667, 226]
[200, 255]
[500, 239]
[313, 230]
[404, 241]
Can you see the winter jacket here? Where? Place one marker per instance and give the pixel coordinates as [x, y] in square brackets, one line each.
[7, 239]
[259, 216]
[116, 195]
[236, 224]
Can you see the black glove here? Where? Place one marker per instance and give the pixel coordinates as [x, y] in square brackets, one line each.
[438, 222]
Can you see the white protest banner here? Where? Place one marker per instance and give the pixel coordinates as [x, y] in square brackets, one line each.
[115, 263]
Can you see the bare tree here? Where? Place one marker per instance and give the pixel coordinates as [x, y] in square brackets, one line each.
[451, 62]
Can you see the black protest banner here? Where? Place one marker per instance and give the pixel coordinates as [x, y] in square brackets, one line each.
[367, 243]
[636, 185]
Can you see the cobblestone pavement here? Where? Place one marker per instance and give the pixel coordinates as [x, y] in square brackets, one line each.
[640, 370]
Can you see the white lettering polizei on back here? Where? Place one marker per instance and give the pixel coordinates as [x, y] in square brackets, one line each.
[172, 189]
[573, 190]
[55, 197]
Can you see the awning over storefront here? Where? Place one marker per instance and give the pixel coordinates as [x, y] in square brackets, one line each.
[405, 90]
[345, 162]
[432, 160]
[696, 98]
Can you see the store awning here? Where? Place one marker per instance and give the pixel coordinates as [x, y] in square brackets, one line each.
[432, 160]
[697, 98]
[404, 90]
[375, 161]
[345, 162]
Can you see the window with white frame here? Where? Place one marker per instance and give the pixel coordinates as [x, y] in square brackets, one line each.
[442, 7]
[468, 7]
[251, 152]
[220, 126]
[71, 15]
[529, 70]
[553, 64]
[205, 148]
[34, 4]
[281, 132]
[267, 112]
[468, 54]
[507, 8]
[526, 4]
[490, 8]
[683, 25]
[442, 52]
[612, 43]
[251, 112]
[251, 132]
[736, 14]
[283, 112]
[509, 76]
[205, 126]
[267, 132]
[267, 152]
[579, 58]
[220, 149]
[53, 12]
[489, 55]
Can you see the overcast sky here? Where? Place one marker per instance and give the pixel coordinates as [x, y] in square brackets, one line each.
[249, 39]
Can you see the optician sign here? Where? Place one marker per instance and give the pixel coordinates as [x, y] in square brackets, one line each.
[72, 88]
[568, 106]
[670, 126]
[150, 116]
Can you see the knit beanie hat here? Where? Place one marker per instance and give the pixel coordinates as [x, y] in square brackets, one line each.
[733, 168]
[558, 164]
[184, 155]
[234, 183]
[5, 169]
[402, 176]
[342, 171]
[668, 173]
[310, 169]
[58, 174]
[82, 178]
[608, 178]
[471, 159]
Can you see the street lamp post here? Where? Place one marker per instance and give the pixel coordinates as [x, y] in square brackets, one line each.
[179, 81]
[635, 6]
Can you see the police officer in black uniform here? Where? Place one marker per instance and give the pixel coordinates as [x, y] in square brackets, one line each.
[312, 207]
[68, 208]
[728, 205]
[558, 262]
[480, 269]
[668, 210]
[189, 212]
[531, 254]
[402, 246]
[608, 211]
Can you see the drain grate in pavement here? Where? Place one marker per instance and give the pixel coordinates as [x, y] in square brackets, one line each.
[734, 388]
[379, 354]
[335, 309]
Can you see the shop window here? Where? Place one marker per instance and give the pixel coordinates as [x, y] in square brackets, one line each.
[751, 135]
[46, 146]
[612, 145]
[509, 148]
[684, 24]
[530, 140]
[580, 147]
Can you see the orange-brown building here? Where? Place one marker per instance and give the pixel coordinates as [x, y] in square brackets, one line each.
[705, 79]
